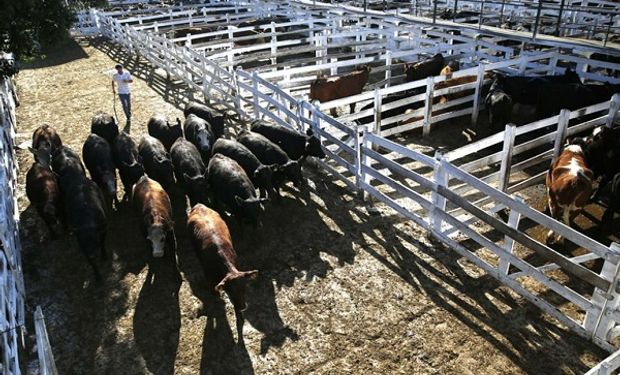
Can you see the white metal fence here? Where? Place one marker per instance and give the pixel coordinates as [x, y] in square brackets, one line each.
[428, 190]
[11, 278]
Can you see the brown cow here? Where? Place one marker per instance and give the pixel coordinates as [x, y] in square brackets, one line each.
[215, 251]
[325, 89]
[152, 201]
[569, 185]
[43, 192]
[45, 141]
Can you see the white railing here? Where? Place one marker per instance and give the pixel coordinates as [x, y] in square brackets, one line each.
[11, 278]
[366, 162]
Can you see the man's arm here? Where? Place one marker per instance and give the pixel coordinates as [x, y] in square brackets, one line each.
[113, 88]
[128, 80]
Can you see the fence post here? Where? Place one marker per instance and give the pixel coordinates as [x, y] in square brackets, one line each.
[46, 357]
[600, 324]
[377, 114]
[238, 89]
[428, 107]
[255, 94]
[560, 135]
[274, 45]
[614, 107]
[365, 162]
[440, 178]
[504, 172]
[513, 222]
[388, 65]
[358, 160]
[477, 95]
[553, 63]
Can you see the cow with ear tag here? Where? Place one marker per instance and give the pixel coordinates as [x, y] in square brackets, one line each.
[97, 155]
[156, 160]
[269, 153]
[200, 134]
[296, 145]
[190, 170]
[159, 127]
[214, 248]
[44, 194]
[232, 188]
[128, 161]
[45, 142]
[153, 203]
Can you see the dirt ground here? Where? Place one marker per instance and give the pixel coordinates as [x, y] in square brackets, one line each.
[342, 289]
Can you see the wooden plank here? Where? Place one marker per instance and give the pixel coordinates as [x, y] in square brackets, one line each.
[535, 215]
[395, 206]
[398, 169]
[543, 250]
[519, 263]
[402, 150]
[402, 189]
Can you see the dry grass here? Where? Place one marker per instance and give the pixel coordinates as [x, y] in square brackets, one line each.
[340, 291]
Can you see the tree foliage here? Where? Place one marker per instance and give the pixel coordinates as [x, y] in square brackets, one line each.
[26, 26]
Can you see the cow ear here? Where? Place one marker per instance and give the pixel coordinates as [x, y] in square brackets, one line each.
[250, 274]
[186, 177]
[34, 152]
[220, 287]
[238, 200]
[309, 133]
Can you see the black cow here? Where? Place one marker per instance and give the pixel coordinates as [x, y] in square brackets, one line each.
[128, 161]
[86, 219]
[44, 194]
[104, 126]
[159, 127]
[295, 145]
[210, 115]
[68, 166]
[97, 155]
[190, 170]
[602, 152]
[200, 134]
[553, 98]
[156, 161]
[425, 68]
[525, 90]
[261, 175]
[232, 187]
[614, 203]
[269, 153]
[499, 105]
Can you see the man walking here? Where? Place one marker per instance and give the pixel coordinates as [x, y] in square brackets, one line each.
[123, 79]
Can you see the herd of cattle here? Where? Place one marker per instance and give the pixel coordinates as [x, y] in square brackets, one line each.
[211, 170]
[547, 94]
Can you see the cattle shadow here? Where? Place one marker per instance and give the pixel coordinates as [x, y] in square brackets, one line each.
[157, 316]
[78, 311]
[220, 353]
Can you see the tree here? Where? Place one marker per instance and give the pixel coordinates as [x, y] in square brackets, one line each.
[28, 25]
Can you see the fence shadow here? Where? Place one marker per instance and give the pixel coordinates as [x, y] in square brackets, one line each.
[172, 91]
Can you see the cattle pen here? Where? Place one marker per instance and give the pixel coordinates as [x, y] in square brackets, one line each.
[466, 198]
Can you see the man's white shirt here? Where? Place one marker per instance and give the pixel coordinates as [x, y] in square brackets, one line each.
[123, 87]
